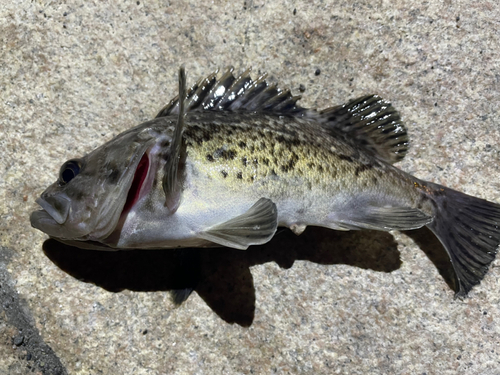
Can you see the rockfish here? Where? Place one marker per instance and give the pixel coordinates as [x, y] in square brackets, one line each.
[230, 160]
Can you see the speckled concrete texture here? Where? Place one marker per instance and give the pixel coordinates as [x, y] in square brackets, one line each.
[74, 75]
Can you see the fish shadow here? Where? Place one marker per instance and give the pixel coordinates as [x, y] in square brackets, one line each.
[221, 276]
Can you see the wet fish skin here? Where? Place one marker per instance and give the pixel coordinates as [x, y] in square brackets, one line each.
[245, 159]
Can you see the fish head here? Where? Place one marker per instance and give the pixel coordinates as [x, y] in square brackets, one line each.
[90, 194]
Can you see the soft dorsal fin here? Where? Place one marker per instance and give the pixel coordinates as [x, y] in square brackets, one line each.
[171, 184]
[230, 94]
[372, 122]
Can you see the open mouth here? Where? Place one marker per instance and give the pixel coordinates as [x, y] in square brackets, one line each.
[137, 191]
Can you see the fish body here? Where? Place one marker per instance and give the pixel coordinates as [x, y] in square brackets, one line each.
[237, 158]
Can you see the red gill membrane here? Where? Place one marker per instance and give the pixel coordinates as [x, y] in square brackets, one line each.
[140, 175]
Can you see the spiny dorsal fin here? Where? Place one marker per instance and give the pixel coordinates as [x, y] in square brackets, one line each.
[230, 94]
[171, 185]
[372, 122]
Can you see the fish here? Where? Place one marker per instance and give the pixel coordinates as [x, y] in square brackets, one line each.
[228, 161]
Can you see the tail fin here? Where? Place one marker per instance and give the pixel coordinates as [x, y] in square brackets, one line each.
[469, 229]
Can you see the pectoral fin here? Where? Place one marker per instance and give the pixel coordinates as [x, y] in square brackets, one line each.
[171, 183]
[255, 227]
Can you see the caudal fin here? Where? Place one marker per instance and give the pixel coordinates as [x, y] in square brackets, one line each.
[469, 229]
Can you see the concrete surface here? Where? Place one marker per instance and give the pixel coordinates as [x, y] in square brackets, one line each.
[74, 75]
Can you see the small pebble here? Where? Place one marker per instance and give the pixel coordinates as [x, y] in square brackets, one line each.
[317, 72]
[18, 340]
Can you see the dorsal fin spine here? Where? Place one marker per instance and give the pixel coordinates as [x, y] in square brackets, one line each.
[171, 185]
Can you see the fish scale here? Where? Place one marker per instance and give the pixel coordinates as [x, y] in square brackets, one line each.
[247, 154]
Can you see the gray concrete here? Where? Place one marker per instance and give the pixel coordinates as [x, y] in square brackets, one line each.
[74, 75]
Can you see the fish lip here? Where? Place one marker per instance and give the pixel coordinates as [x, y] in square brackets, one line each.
[44, 222]
[52, 212]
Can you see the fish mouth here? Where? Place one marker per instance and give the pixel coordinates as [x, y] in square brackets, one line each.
[44, 222]
[54, 213]
[53, 216]
[55, 206]
[136, 191]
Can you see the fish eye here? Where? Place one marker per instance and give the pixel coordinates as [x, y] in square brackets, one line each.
[69, 170]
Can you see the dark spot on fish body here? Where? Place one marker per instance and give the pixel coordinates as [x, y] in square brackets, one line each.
[375, 180]
[263, 145]
[222, 153]
[279, 152]
[218, 153]
[239, 175]
[320, 168]
[242, 145]
[210, 158]
[224, 174]
[362, 168]
[287, 142]
[255, 161]
[345, 157]
[265, 161]
[311, 165]
[244, 161]
[289, 166]
[280, 139]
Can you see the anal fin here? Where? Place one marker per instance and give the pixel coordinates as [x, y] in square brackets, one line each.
[255, 227]
[383, 218]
